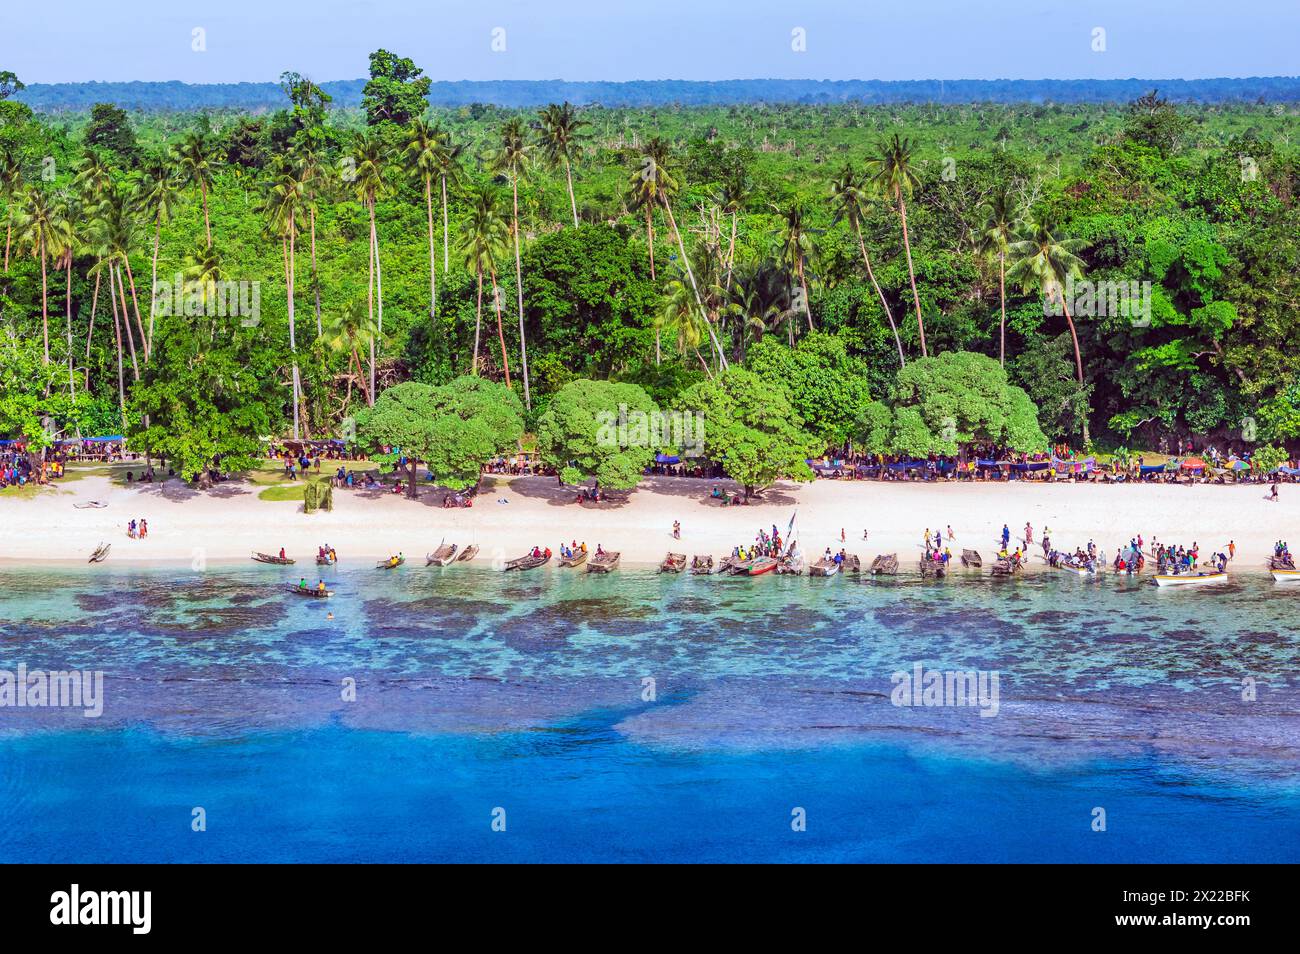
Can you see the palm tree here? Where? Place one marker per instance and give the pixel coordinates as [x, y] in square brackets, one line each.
[735, 193]
[346, 333]
[486, 236]
[37, 228]
[368, 182]
[283, 206]
[11, 180]
[650, 179]
[1043, 260]
[447, 162]
[560, 145]
[849, 197]
[512, 158]
[421, 153]
[894, 178]
[796, 248]
[681, 320]
[66, 242]
[760, 297]
[314, 173]
[1004, 220]
[195, 157]
[156, 195]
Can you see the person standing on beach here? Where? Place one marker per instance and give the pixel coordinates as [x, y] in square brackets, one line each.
[1232, 550]
[1006, 536]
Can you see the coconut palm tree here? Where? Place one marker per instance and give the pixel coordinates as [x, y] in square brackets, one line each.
[37, 229]
[313, 170]
[760, 297]
[849, 198]
[283, 207]
[66, 242]
[560, 145]
[735, 193]
[420, 152]
[486, 236]
[346, 333]
[1045, 260]
[1003, 221]
[11, 180]
[650, 180]
[447, 161]
[893, 177]
[512, 158]
[156, 195]
[796, 247]
[368, 184]
[681, 320]
[196, 157]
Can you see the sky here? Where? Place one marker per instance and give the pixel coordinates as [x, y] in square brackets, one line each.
[255, 40]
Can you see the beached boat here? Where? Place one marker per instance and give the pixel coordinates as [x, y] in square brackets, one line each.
[91, 505]
[445, 554]
[971, 558]
[391, 563]
[1005, 567]
[101, 553]
[603, 562]
[727, 564]
[701, 565]
[270, 558]
[1285, 576]
[1076, 570]
[885, 564]
[578, 558]
[527, 562]
[851, 563]
[791, 564]
[309, 591]
[1280, 563]
[758, 566]
[1190, 579]
[935, 568]
[673, 563]
[826, 566]
[468, 553]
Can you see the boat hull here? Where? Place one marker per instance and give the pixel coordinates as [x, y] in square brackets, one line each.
[1189, 579]
[1286, 576]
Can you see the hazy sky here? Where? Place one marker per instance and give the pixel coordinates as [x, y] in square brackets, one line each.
[255, 40]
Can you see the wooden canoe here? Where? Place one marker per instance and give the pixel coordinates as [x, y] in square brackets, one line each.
[760, 566]
[885, 564]
[101, 553]
[1190, 579]
[971, 558]
[442, 556]
[935, 568]
[468, 553]
[851, 564]
[309, 591]
[392, 563]
[702, 565]
[1286, 576]
[268, 558]
[1005, 568]
[826, 566]
[324, 561]
[579, 557]
[527, 562]
[673, 563]
[603, 562]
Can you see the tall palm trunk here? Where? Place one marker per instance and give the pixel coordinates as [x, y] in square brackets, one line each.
[153, 279]
[478, 319]
[866, 259]
[519, 289]
[446, 232]
[207, 225]
[315, 276]
[135, 302]
[807, 305]
[126, 321]
[573, 203]
[911, 271]
[433, 281]
[681, 247]
[72, 384]
[1002, 294]
[370, 301]
[731, 251]
[45, 313]
[501, 334]
[1078, 358]
[290, 274]
[650, 238]
[117, 334]
[94, 304]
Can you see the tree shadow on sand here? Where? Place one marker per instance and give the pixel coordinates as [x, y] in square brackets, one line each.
[700, 488]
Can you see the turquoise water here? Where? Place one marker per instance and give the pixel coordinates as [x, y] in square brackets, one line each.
[527, 695]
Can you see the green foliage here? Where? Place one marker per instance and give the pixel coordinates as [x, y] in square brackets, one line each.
[826, 388]
[579, 433]
[751, 429]
[110, 130]
[945, 403]
[1269, 457]
[396, 91]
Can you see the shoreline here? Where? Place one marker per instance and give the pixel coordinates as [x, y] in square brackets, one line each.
[226, 525]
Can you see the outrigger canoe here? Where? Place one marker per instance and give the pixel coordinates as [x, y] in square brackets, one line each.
[826, 566]
[1190, 579]
[468, 553]
[603, 562]
[268, 558]
[445, 554]
[391, 563]
[310, 591]
[527, 562]
[101, 553]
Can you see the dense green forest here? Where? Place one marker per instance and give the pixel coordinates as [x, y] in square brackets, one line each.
[775, 266]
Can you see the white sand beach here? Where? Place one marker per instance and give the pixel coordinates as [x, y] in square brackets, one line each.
[229, 522]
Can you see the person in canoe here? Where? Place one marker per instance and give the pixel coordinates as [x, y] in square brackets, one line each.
[281, 553]
[320, 586]
[302, 584]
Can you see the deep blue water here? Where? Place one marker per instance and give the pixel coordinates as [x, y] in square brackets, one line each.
[478, 691]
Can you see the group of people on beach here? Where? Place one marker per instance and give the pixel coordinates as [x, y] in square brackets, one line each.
[138, 530]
